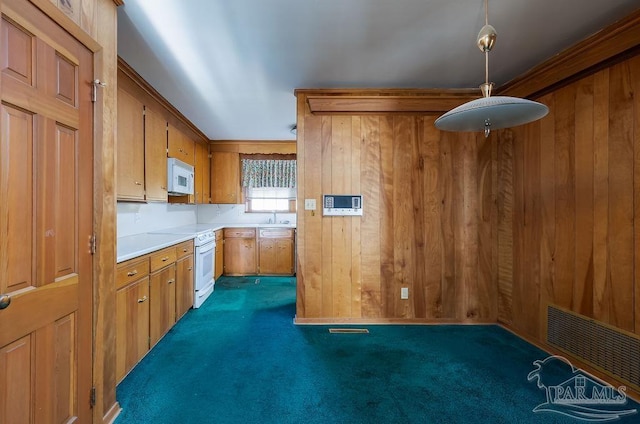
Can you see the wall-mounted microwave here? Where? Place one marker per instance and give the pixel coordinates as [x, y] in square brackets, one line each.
[180, 177]
[342, 205]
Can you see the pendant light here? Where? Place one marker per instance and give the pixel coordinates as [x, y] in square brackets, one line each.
[487, 113]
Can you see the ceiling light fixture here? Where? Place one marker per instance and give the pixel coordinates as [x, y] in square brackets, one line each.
[490, 113]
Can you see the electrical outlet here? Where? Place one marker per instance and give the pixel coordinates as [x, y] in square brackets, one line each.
[136, 217]
[404, 293]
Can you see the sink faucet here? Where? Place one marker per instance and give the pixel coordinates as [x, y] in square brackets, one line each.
[273, 220]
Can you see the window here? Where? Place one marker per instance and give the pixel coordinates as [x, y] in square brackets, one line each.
[270, 199]
[269, 183]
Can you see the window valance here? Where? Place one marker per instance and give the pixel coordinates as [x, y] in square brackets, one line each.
[258, 173]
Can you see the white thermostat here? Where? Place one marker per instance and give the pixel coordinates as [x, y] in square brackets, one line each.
[342, 205]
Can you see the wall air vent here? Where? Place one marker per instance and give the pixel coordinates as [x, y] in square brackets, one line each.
[606, 348]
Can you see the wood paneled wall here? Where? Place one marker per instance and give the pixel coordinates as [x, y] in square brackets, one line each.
[428, 224]
[569, 197]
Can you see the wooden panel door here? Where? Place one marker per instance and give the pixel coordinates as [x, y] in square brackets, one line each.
[267, 254]
[240, 256]
[184, 285]
[162, 293]
[132, 328]
[202, 174]
[219, 266]
[46, 214]
[180, 146]
[155, 158]
[225, 177]
[130, 176]
[284, 256]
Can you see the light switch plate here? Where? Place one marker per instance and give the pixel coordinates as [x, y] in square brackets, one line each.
[310, 204]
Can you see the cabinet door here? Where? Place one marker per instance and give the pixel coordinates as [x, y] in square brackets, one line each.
[284, 256]
[180, 146]
[240, 256]
[184, 285]
[132, 325]
[162, 296]
[203, 178]
[225, 177]
[130, 175]
[267, 256]
[155, 146]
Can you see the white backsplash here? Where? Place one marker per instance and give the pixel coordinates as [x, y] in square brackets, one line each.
[232, 214]
[138, 218]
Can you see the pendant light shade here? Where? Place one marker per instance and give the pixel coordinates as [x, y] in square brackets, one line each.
[490, 113]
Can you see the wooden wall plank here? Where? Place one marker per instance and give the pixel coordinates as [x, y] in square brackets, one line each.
[565, 197]
[341, 226]
[370, 224]
[326, 230]
[419, 271]
[635, 80]
[601, 264]
[505, 227]
[433, 244]
[518, 229]
[387, 269]
[584, 173]
[356, 231]
[449, 204]
[310, 270]
[621, 196]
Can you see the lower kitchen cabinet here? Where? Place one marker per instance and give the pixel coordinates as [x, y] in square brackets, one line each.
[276, 251]
[162, 308]
[132, 314]
[152, 292]
[240, 254]
[132, 326]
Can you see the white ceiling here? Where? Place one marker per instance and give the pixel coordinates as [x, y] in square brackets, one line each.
[231, 66]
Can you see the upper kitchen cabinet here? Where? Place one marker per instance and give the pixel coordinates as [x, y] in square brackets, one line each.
[225, 177]
[155, 147]
[181, 146]
[202, 171]
[131, 148]
[150, 129]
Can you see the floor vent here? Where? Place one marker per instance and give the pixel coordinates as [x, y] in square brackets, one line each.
[608, 349]
[349, 330]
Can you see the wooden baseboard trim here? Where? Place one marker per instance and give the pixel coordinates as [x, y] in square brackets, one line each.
[112, 414]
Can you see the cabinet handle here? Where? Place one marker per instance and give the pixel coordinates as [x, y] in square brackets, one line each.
[165, 259]
[190, 269]
[132, 273]
[184, 250]
[137, 183]
[144, 298]
[163, 188]
[171, 281]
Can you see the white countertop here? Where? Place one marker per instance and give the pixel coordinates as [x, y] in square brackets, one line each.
[132, 246]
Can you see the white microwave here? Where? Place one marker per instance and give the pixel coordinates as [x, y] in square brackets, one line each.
[180, 176]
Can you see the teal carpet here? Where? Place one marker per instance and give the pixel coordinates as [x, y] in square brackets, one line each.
[240, 359]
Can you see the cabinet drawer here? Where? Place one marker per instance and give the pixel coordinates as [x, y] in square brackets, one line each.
[130, 271]
[162, 258]
[276, 232]
[239, 232]
[184, 249]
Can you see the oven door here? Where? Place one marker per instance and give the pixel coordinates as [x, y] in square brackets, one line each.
[205, 262]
